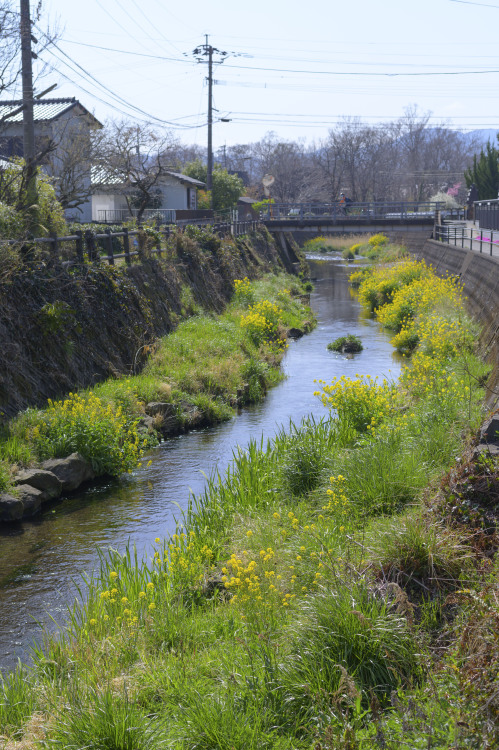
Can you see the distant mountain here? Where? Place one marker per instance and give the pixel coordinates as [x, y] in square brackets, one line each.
[482, 136]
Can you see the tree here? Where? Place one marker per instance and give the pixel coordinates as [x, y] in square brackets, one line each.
[227, 188]
[484, 173]
[134, 159]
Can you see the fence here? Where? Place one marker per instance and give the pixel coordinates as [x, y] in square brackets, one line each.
[468, 238]
[487, 214]
[119, 215]
[360, 211]
[111, 246]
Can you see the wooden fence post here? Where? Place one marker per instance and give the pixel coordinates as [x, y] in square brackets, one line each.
[79, 245]
[90, 243]
[126, 246]
[54, 246]
[110, 250]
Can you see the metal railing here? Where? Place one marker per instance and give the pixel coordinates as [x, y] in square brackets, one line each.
[119, 215]
[110, 246]
[359, 211]
[487, 214]
[468, 238]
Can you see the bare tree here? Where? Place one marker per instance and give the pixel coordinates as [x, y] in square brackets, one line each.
[134, 158]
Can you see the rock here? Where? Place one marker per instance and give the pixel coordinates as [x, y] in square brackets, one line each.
[11, 508]
[145, 424]
[490, 431]
[295, 333]
[46, 481]
[72, 471]
[160, 407]
[30, 498]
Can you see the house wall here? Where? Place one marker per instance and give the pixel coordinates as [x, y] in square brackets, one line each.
[174, 194]
[106, 202]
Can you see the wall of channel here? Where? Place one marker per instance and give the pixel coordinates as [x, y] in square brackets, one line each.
[479, 274]
[68, 327]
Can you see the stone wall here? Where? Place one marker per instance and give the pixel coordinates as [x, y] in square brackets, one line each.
[479, 274]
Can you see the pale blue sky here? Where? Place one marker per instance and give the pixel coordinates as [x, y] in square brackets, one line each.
[295, 68]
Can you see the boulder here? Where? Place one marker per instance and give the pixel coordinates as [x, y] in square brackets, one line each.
[490, 430]
[160, 407]
[45, 481]
[71, 471]
[145, 424]
[30, 498]
[11, 508]
[295, 333]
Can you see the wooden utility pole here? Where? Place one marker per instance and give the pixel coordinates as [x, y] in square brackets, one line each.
[203, 51]
[31, 201]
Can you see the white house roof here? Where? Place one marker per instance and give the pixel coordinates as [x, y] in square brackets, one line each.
[44, 110]
[186, 179]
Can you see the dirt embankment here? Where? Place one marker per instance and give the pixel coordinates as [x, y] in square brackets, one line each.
[63, 328]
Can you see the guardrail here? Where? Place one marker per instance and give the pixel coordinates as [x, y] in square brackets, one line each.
[469, 238]
[487, 214]
[361, 211]
[110, 246]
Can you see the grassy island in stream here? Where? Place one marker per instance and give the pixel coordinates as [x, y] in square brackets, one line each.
[209, 365]
[337, 588]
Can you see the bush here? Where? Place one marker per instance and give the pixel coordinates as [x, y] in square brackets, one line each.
[346, 344]
[262, 322]
[103, 434]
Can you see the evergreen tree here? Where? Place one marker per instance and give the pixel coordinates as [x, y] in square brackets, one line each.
[226, 187]
[485, 173]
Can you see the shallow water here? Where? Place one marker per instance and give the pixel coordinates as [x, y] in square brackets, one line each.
[40, 559]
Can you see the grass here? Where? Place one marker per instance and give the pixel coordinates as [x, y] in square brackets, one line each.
[204, 369]
[308, 594]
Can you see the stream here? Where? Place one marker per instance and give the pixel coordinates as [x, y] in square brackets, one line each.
[42, 558]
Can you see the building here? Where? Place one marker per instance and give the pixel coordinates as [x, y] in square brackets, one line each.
[62, 140]
[174, 192]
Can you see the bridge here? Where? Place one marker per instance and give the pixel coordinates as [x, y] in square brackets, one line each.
[368, 217]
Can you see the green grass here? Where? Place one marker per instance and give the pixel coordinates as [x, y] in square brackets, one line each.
[306, 596]
[206, 367]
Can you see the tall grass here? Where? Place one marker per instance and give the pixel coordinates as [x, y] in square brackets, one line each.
[286, 611]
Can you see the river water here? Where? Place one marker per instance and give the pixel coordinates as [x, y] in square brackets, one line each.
[41, 559]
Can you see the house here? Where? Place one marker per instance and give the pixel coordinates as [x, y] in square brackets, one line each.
[245, 210]
[62, 139]
[174, 192]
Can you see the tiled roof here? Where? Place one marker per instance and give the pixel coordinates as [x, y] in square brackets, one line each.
[185, 178]
[44, 110]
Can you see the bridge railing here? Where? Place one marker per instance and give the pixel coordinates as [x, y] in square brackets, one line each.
[468, 238]
[361, 211]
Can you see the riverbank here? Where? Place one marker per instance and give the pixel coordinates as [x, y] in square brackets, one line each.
[194, 377]
[291, 608]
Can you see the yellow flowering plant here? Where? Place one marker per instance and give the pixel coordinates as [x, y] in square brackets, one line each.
[101, 432]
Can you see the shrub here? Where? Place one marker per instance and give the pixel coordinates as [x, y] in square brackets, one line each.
[348, 254]
[244, 295]
[377, 239]
[362, 403]
[348, 343]
[262, 322]
[103, 434]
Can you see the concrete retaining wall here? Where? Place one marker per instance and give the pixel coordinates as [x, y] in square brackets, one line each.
[479, 274]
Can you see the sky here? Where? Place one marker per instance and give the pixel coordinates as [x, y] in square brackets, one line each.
[295, 68]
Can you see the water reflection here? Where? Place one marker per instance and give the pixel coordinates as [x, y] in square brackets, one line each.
[40, 559]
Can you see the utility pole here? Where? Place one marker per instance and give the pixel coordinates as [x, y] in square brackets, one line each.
[28, 118]
[207, 51]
